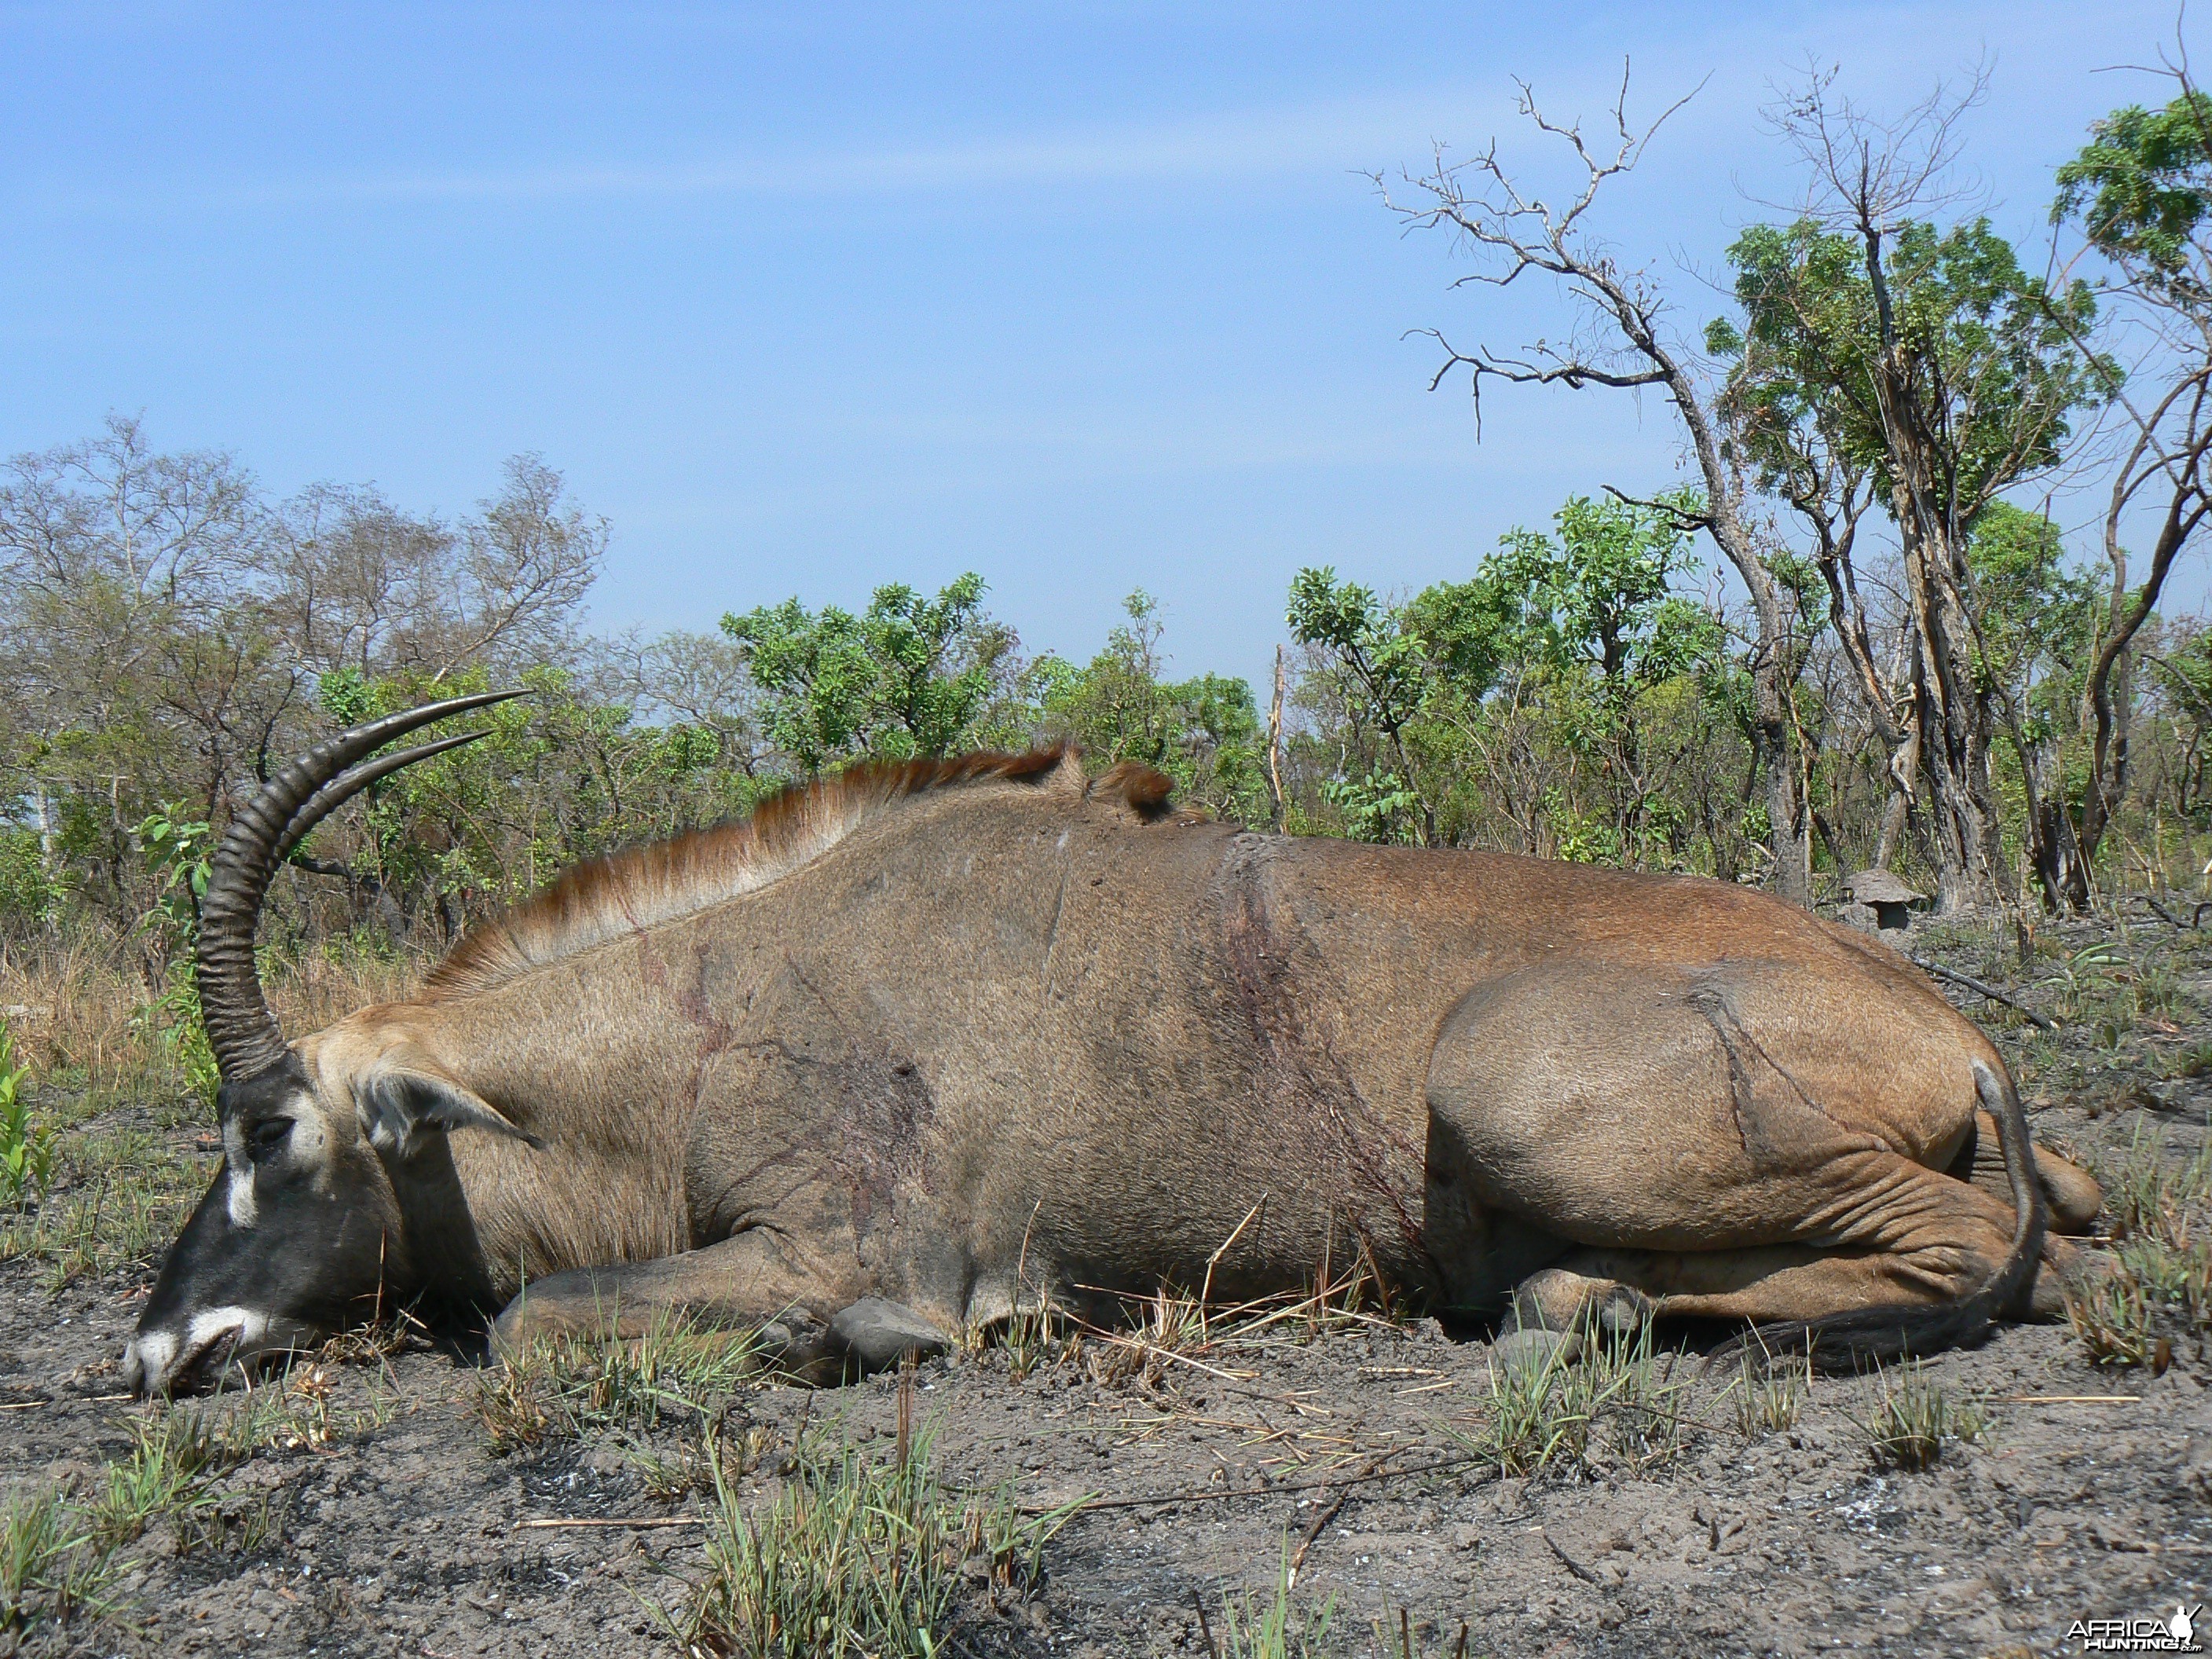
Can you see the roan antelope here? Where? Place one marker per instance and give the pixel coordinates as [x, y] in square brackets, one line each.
[918, 1041]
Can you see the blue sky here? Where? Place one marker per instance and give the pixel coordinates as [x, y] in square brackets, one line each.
[805, 298]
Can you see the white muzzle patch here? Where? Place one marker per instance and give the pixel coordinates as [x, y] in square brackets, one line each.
[153, 1363]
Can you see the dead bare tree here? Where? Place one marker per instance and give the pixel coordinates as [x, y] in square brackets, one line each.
[363, 586]
[1622, 340]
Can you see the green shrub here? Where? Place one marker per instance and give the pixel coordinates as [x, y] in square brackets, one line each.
[27, 1145]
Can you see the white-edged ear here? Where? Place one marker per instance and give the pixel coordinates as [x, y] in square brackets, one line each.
[398, 1104]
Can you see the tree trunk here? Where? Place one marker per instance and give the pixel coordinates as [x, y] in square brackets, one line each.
[1954, 719]
[2054, 851]
[1951, 715]
[1275, 750]
[1786, 836]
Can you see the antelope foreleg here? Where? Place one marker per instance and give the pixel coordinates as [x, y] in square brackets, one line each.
[744, 1281]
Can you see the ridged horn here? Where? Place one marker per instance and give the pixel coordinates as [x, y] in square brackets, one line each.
[240, 1031]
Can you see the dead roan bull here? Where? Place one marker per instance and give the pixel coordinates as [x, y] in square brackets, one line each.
[921, 1042]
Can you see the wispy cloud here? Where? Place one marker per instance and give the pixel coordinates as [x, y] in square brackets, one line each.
[1340, 134]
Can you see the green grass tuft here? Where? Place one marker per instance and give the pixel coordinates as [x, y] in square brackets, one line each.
[1915, 1421]
[53, 1566]
[855, 1557]
[1615, 1403]
[570, 1383]
[1277, 1627]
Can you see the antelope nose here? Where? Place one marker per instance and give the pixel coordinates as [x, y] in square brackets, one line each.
[147, 1362]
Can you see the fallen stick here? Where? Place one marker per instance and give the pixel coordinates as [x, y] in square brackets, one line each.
[1205, 1626]
[1254, 1491]
[2166, 914]
[1571, 1563]
[1329, 1512]
[618, 1521]
[1970, 983]
[25, 1405]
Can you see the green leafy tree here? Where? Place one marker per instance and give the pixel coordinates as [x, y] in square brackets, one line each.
[2139, 195]
[1379, 665]
[1878, 345]
[910, 676]
[2037, 637]
[1593, 614]
[560, 775]
[1203, 732]
[1600, 598]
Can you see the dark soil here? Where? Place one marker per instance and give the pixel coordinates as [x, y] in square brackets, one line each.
[405, 1536]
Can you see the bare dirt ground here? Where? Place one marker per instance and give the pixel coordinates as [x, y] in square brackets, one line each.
[371, 1516]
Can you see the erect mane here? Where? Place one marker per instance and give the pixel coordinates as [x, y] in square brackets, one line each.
[592, 902]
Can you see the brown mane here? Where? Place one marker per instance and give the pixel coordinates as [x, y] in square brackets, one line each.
[637, 887]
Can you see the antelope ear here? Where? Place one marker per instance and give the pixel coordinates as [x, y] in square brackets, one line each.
[1067, 781]
[399, 1105]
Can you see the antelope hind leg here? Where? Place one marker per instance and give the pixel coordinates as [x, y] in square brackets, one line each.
[1736, 1160]
[742, 1281]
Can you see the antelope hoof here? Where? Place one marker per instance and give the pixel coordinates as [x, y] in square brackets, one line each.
[875, 1334]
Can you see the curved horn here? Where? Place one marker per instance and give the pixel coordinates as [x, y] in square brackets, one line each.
[348, 784]
[242, 1032]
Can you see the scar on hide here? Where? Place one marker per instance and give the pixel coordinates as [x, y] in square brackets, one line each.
[1730, 1031]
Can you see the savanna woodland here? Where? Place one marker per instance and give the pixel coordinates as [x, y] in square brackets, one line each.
[1919, 601]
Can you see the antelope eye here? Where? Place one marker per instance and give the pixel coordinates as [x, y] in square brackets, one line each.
[267, 1137]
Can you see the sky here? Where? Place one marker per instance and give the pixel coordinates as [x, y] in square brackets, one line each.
[805, 299]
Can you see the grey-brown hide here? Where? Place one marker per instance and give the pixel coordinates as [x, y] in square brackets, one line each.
[1024, 1026]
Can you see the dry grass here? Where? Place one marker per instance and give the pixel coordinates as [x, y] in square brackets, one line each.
[2158, 1291]
[74, 1001]
[79, 999]
[326, 984]
[1167, 1336]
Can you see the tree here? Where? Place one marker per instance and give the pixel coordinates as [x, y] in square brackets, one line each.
[361, 585]
[2036, 623]
[1946, 375]
[1377, 662]
[2139, 194]
[1623, 338]
[171, 630]
[138, 665]
[1203, 732]
[1922, 370]
[1594, 614]
[910, 676]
